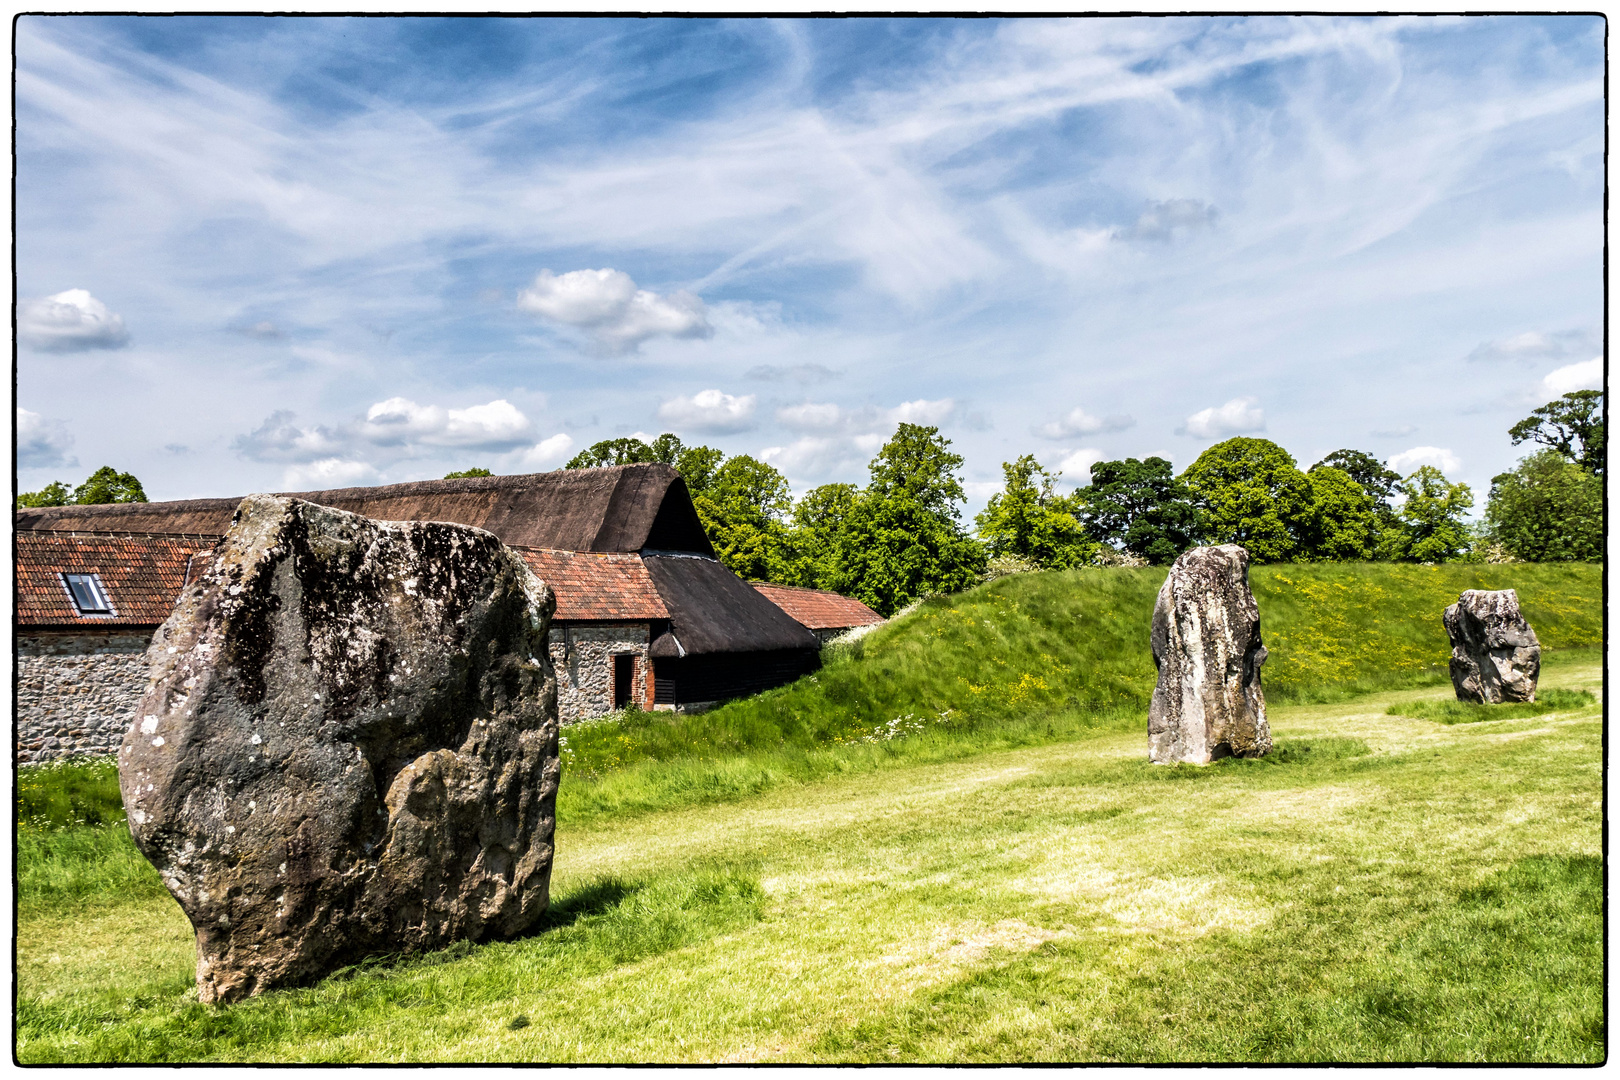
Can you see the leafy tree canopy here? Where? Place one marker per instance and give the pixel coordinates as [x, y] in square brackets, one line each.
[55, 493]
[917, 464]
[1549, 509]
[609, 452]
[466, 474]
[1573, 425]
[1028, 520]
[1341, 524]
[1432, 527]
[1253, 494]
[1140, 506]
[105, 485]
[743, 510]
[1380, 482]
[901, 538]
[696, 464]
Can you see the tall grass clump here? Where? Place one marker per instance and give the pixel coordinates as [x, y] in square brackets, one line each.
[72, 840]
[1468, 712]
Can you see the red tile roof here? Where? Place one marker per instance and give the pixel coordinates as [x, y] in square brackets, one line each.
[819, 610]
[593, 587]
[142, 576]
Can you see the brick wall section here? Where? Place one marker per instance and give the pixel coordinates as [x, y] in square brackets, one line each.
[77, 693]
[583, 657]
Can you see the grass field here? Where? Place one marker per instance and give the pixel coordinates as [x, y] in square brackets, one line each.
[1381, 887]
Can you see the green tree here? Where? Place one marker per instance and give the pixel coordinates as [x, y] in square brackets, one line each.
[1432, 527]
[1029, 520]
[1141, 507]
[743, 510]
[105, 485]
[608, 452]
[1573, 425]
[812, 549]
[1341, 524]
[1253, 494]
[467, 474]
[108, 485]
[696, 464]
[54, 493]
[902, 536]
[1549, 509]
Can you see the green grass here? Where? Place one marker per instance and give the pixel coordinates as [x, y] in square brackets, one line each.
[1034, 658]
[1017, 885]
[1467, 712]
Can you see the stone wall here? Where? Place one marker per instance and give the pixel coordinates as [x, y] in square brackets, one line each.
[76, 692]
[583, 656]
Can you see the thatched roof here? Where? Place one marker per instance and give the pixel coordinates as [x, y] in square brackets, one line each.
[715, 611]
[623, 508]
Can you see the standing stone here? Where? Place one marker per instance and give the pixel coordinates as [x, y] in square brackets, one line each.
[1206, 641]
[1495, 656]
[348, 745]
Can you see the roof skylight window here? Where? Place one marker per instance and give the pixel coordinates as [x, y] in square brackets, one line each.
[89, 595]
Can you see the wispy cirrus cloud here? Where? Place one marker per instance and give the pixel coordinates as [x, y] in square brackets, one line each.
[1391, 195]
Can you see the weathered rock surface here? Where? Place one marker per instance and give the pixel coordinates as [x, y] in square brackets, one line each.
[1206, 641]
[1495, 656]
[348, 746]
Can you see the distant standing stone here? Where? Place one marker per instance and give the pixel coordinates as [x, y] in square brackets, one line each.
[1206, 641]
[1495, 656]
[348, 746]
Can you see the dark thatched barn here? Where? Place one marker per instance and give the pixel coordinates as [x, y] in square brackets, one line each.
[645, 612]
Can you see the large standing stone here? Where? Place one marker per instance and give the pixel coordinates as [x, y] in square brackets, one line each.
[348, 746]
[1495, 656]
[1206, 641]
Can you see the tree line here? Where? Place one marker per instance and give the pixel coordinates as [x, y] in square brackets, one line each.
[901, 536]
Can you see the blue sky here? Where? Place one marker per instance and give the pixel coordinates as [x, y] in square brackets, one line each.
[279, 254]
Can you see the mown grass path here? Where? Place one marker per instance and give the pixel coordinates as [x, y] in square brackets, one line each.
[1385, 889]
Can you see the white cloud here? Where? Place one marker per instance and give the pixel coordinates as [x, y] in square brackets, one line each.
[400, 421]
[280, 439]
[1586, 375]
[328, 473]
[1236, 417]
[1076, 468]
[926, 413]
[711, 411]
[71, 321]
[42, 443]
[816, 456]
[1079, 422]
[812, 416]
[544, 454]
[1533, 346]
[981, 490]
[1408, 461]
[607, 305]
